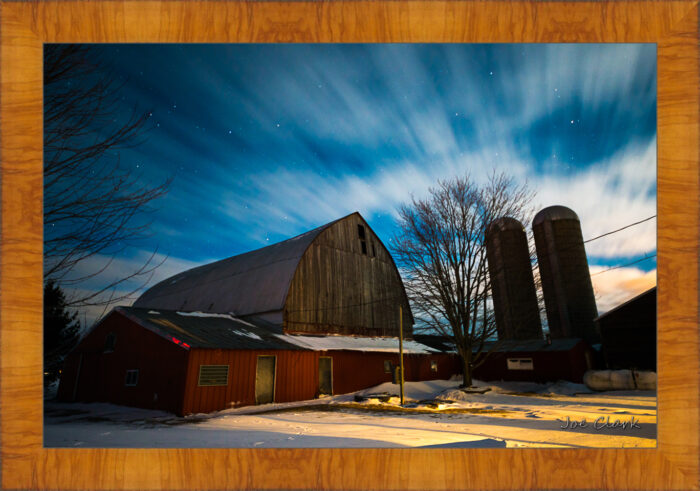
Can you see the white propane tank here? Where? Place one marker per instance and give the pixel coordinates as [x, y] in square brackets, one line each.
[620, 380]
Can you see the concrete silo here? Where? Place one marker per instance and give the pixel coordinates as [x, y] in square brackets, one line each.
[512, 283]
[566, 280]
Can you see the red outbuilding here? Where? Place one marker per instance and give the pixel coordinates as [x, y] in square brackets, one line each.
[317, 314]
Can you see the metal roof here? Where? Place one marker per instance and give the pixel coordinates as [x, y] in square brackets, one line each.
[650, 291]
[201, 330]
[512, 345]
[556, 212]
[225, 331]
[502, 224]
[249, 283]
[446, 344]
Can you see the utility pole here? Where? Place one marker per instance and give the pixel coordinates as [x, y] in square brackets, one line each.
[401, 350]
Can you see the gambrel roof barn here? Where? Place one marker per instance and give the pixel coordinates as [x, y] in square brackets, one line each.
[317, 314]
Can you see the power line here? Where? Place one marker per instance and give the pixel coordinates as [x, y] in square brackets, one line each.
[624, 265]
[619, 229]
[391, 299]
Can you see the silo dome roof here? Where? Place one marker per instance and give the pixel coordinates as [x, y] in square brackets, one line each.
[502, 224]
[556, 212]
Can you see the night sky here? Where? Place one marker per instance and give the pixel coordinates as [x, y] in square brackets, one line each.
[265, 142]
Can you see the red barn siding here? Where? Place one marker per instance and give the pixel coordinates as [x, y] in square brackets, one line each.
[296, 378]
[548, 366]
[353, 370]
[161, 366]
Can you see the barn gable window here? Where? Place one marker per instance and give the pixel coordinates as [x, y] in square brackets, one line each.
[213, 375]
[361, 235]
[110, 341]
[132, 378]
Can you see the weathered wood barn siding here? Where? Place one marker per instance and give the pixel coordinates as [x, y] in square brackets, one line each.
[342, 288]
[296, 378]
[102, 375]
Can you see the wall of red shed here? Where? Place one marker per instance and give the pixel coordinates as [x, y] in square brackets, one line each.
[101, 376]
[548, 366]
[296, 378]
[354, 370]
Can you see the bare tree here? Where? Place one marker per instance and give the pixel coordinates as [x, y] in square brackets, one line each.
[440, 249]
[91, 202]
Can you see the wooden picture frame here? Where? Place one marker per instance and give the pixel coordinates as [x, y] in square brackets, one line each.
[25, 26]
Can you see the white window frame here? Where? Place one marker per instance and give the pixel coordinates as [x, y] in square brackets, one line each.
[126, 378]
[520, 364]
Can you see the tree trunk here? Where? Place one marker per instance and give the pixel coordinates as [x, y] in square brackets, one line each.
[466, 370]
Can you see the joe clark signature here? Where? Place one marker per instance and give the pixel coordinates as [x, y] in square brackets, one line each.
[600, 423]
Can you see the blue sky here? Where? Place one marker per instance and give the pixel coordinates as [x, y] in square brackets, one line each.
[264, 142]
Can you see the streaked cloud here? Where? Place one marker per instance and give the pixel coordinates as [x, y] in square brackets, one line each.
[268, 141]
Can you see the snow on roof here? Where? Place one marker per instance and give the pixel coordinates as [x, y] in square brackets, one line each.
[229, 316]
[352, 343]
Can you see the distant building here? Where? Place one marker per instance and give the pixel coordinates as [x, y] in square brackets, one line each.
[316, 314]
[629, 333]
[533, 360]
[537, 360]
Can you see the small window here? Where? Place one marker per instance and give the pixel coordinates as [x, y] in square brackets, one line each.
[520, 364]
[110, 342]
[361, 231]
[212, 375]
[387, 366]
[364, 247]
[132, 378]
[433, 366]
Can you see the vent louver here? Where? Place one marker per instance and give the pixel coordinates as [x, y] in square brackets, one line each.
[213, 375]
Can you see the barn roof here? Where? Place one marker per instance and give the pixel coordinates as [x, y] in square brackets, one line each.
[206, 330]
[631, 301]
[447, 345]
[225, 331]
[527, 345]
[249, 283]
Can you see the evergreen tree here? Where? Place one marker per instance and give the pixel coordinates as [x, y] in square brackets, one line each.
[61, 331]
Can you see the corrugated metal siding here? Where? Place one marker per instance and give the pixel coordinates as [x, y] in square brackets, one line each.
[161, 366]
[296, 378]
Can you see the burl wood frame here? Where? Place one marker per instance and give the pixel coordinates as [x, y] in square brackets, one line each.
[26, 26]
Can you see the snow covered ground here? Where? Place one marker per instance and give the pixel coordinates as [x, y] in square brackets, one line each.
[436, 414]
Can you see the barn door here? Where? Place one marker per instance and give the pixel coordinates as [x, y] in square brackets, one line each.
[265, 380]
[325, 376]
